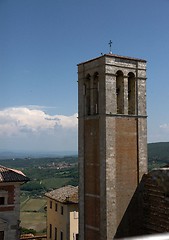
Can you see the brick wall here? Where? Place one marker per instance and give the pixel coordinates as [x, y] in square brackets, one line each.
[126, 163]
[92, 178]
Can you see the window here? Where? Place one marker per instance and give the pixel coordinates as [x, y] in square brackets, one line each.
[2, 200]
[50, 231]
[56, 207]
[61, 235]
[95, 89]
[1, 235]
[3, 197]
[120, 92]
[62, 210]
[51, 204]
[91, 94]
[77, 236]
[131, 93]
[87, 95]
[55, 233]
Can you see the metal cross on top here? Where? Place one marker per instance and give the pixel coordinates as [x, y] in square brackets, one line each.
[110, 43]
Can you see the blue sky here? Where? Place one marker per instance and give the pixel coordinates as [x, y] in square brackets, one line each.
[42, 41]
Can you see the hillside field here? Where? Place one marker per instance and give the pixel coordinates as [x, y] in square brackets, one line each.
[33, 214]
[47, 174]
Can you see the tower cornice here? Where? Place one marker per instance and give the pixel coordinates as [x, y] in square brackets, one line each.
[114, 56]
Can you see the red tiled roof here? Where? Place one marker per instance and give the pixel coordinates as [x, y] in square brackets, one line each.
[67, 194]
[11, 175]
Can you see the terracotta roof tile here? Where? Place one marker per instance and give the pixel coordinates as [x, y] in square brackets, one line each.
[67, 194]
[11, 175]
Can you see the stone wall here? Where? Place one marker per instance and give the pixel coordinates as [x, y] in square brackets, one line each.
[126, 163]
[148, 210]
[156, 202]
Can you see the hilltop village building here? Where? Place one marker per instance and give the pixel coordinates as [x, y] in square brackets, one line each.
[62, 213]
[10, 182]
[112, 143]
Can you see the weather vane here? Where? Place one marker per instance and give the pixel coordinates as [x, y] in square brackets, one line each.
[110, 43]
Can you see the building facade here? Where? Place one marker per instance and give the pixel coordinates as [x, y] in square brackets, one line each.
[10, 181]
[62, 214]
[112, 141]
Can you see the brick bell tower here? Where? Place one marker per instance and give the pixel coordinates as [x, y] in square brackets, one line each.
[112, 141]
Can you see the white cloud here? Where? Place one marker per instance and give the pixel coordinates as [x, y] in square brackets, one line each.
[30, 128]
[158, 133]
[165, 126]
[18, 120]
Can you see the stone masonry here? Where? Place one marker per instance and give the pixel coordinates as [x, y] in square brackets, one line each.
[112, 142]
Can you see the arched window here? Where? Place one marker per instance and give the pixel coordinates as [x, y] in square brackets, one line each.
[87, 97]
[131, 93]
[120, 92]
[96, 93]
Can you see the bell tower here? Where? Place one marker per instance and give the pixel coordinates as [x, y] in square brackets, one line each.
[112, 140]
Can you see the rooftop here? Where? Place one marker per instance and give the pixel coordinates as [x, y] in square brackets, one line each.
[115, 56]
[11, 175]
[67, 194]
